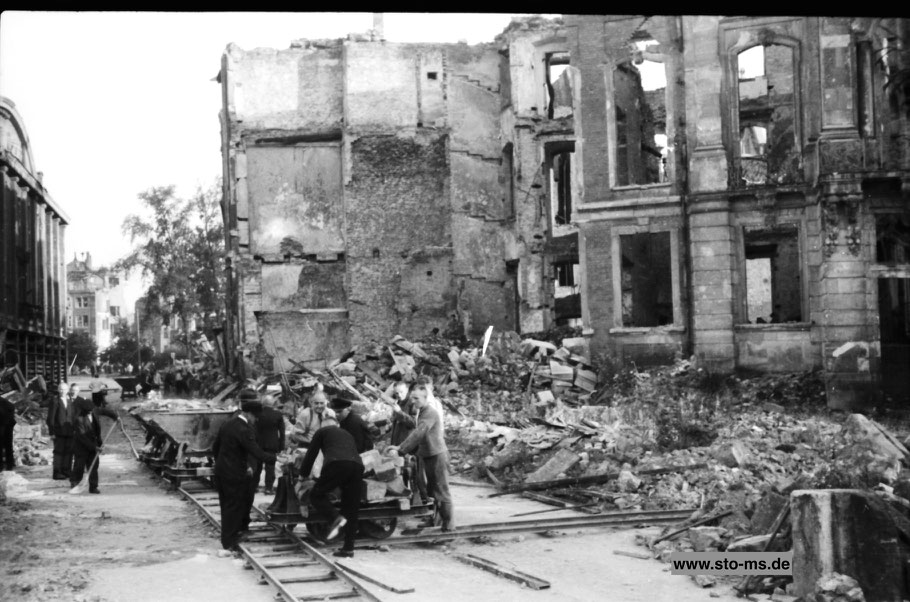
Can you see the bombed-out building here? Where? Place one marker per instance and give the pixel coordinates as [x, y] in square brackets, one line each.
[32, 270]
[374, 188]
[733, 188]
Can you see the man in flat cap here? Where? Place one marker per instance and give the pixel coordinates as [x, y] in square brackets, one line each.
[352, 423]
[342, 468]
[236, 454]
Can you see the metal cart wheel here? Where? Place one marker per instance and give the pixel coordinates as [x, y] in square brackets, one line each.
[378, 528]
[318, 530]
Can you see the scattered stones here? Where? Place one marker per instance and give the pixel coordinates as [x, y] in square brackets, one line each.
[733, 454]
[704, 580]
[705, 539]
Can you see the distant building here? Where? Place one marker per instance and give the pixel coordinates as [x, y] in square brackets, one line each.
[95, 299]
[157, 334]
[32, 273]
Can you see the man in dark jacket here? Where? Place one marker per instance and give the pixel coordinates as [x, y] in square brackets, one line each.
[7, 424]
[87, 441]
[236, 451]
[343, 468]
[60, 416]
[352, 423]
[270, 437]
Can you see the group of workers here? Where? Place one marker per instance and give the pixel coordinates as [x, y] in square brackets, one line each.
[334, 437]
[74, 424]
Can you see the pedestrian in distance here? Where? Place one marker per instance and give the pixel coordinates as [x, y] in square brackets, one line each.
[342, 468]
[7, 426]
[428, 440]
[270, 437]
[236, 454]
[61, 413]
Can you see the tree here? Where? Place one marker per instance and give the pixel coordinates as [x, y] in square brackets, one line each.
[81, 346]
[124, 349]
[180, 248]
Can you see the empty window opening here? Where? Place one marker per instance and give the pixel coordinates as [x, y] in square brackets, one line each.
[431, 75]
[565, 274]
[429, 272]
[566, 294]
[376, 253]
[639, 93]
[555, 65]
[767, 115]
[507, 181]
[773, 276]
[892, 238]
[561, 187]
[647, 291]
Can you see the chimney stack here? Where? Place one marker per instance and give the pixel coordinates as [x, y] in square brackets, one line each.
[377, 26]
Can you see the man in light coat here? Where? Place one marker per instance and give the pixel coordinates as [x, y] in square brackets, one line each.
[429, 441]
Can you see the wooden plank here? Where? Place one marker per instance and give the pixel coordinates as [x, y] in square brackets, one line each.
[225, 392]
[640, 555]
[512, 574]
[545, 499]
[368, 579]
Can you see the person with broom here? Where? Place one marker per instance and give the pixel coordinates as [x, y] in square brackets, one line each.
[87, 442]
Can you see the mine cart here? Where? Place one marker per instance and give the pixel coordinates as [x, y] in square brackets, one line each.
[127, 385]
[178, 444]
[378, 518]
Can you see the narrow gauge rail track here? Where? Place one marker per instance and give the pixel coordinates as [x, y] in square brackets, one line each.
[302, 572]
[297, 569]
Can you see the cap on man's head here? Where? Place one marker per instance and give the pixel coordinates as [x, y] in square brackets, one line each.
[85, 406]
[341, 402]
[248, 395]
[251, 407]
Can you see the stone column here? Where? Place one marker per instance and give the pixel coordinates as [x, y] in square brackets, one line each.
[851, 532]
[850, 338]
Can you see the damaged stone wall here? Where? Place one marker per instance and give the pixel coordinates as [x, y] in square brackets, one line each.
[399, 236]
[364, 196]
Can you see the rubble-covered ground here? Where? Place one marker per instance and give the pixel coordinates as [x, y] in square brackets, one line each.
[536, 410]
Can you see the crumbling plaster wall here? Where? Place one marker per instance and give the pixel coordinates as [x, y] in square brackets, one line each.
[284, 198]
[413, 233]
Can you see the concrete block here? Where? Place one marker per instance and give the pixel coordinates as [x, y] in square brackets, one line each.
[559, 463]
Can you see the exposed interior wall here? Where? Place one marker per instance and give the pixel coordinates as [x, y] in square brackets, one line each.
[398, 226]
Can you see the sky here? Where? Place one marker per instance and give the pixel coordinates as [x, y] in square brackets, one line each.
[115, 103]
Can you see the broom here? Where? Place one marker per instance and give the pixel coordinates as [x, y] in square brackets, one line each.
[82, 487]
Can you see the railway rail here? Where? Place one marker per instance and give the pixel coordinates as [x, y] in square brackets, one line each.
[300, 571]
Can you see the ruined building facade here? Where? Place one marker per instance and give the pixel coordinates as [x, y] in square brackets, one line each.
[374, 189]
[778, 238]
[32, 271]
[725, 187]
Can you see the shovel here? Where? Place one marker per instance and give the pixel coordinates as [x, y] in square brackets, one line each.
[82, 487]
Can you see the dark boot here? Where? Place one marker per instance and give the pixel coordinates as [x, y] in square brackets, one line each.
[446, 515]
